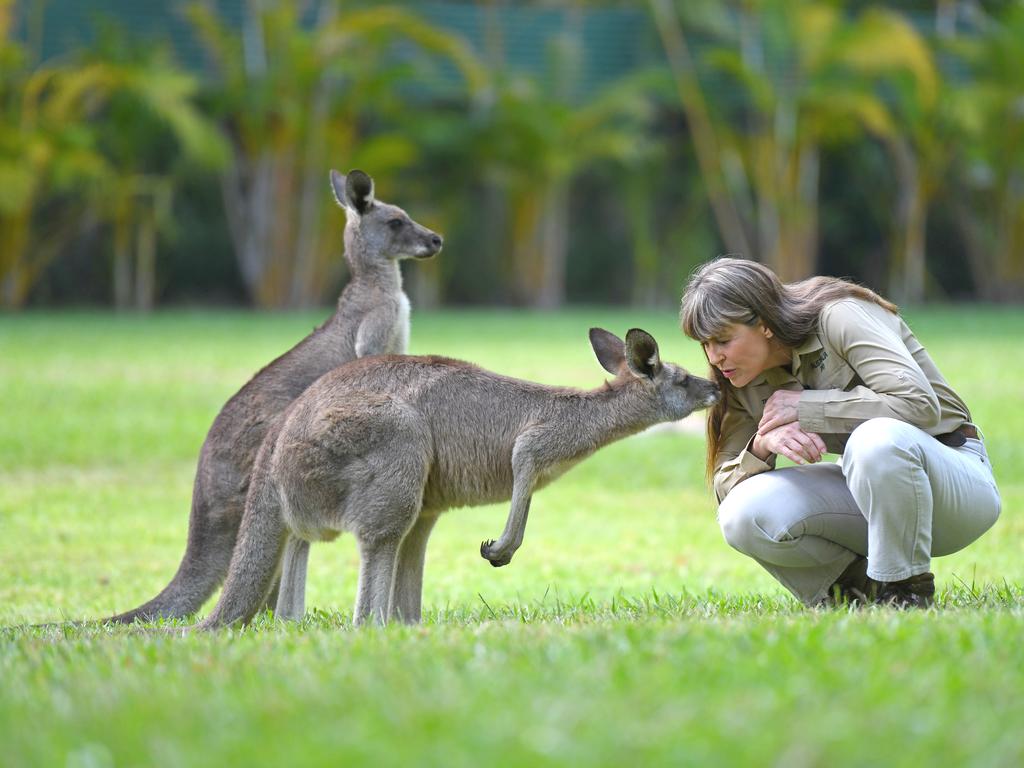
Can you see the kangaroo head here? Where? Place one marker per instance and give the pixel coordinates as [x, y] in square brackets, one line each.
[674, 391]
[377, 232]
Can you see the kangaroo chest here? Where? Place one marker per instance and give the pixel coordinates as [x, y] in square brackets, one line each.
[400, 330]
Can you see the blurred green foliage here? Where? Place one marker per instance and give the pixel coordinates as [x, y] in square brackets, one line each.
[569, 151]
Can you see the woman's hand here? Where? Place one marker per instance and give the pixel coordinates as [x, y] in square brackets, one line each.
[781, 408]
[790, 441]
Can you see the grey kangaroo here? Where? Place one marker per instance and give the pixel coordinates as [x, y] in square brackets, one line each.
[372, 318]
[382, 446]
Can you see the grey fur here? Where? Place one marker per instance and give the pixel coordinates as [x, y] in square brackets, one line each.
[372, 318]
[381, 447]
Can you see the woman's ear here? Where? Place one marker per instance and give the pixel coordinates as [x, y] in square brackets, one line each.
[766, 331]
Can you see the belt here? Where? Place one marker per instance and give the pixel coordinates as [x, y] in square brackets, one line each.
[958, 436]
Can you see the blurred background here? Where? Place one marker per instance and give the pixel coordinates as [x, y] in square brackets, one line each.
[177, 153]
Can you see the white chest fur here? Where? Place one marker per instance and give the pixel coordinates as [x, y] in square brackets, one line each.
[400, 333]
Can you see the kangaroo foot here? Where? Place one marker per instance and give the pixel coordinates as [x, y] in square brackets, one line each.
[495, 555]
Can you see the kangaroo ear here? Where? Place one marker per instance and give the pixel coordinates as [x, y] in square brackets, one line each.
[642, 355]
[353, 192]
[609, 348]
[338, 187]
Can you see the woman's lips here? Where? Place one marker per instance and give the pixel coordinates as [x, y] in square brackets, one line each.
[728, 372]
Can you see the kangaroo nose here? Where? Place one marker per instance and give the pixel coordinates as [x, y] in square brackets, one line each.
[437, 241]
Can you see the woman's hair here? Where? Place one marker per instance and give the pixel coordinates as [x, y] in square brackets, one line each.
[729, 291]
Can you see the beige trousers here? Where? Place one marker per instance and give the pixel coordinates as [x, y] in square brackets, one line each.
[897, 495]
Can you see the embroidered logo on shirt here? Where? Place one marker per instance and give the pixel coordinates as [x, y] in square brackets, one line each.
[819, 362]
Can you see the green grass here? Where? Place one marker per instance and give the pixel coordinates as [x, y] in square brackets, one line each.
[624, 631]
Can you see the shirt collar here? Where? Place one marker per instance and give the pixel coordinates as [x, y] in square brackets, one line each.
[776, 377]
[812, 344]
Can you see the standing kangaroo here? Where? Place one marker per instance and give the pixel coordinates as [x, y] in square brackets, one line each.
[381, 447]
[372, 318]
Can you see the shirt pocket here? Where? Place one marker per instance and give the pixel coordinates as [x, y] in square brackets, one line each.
[836, 373]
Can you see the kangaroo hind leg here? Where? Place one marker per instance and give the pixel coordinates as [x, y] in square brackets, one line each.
[387, 515]
[409, 577]
[254, 564]
[291, 593]
[384, 513]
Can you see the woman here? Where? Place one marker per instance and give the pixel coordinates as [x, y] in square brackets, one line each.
[827, 366]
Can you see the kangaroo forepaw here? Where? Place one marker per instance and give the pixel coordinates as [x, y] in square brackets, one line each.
[493, 555]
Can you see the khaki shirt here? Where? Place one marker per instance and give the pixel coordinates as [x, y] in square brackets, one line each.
[862, 363]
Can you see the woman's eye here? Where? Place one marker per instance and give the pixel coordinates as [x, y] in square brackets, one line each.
[396, 223]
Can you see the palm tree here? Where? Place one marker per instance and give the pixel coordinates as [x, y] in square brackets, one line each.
[807, 76]
[987, 109]
[148, 127]
[293, 100]
[884, 49]
[68, 152]
[46, 154]
[535, 137]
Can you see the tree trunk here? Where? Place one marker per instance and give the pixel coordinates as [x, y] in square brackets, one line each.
[305, 290]
[639, 205]
[1009, 250]
[908, 260]
[122, 275]
[524, 246]
[727, 217]
[24, 257]
[945, 18]
[801, 222]
[914, 270]
[979, 251]
[14, 239]
[145, 262]
[247, 189]
[554, 245]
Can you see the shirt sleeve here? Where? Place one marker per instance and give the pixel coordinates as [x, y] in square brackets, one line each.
[893, 383]
[736, 462]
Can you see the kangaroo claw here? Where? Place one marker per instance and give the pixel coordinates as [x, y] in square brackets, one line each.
[487, 553]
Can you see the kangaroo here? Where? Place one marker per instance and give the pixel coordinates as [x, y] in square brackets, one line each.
[382, 446]
[372, 318]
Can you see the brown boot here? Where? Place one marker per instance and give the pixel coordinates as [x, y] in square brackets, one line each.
[852, 587]
[915, 592]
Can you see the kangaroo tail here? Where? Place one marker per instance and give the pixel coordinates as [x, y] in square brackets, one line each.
[201, 571]
[256, 559]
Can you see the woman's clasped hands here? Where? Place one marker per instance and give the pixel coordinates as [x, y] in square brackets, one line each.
[779, 431]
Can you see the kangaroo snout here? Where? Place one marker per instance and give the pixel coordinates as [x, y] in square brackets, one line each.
[432, 247]
[713, 393]
[704, 393]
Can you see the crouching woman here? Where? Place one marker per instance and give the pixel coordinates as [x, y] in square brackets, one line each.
[828, 366]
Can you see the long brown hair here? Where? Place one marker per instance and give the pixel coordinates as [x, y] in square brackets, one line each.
[729, 291]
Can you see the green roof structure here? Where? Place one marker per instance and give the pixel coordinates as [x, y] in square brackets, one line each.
[613, 41]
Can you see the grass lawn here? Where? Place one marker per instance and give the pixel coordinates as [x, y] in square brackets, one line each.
[625, 631]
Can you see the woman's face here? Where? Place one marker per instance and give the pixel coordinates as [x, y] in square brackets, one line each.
[744, 352]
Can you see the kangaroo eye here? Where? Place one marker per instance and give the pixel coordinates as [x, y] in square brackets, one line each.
[396, 223]
[683, 381]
